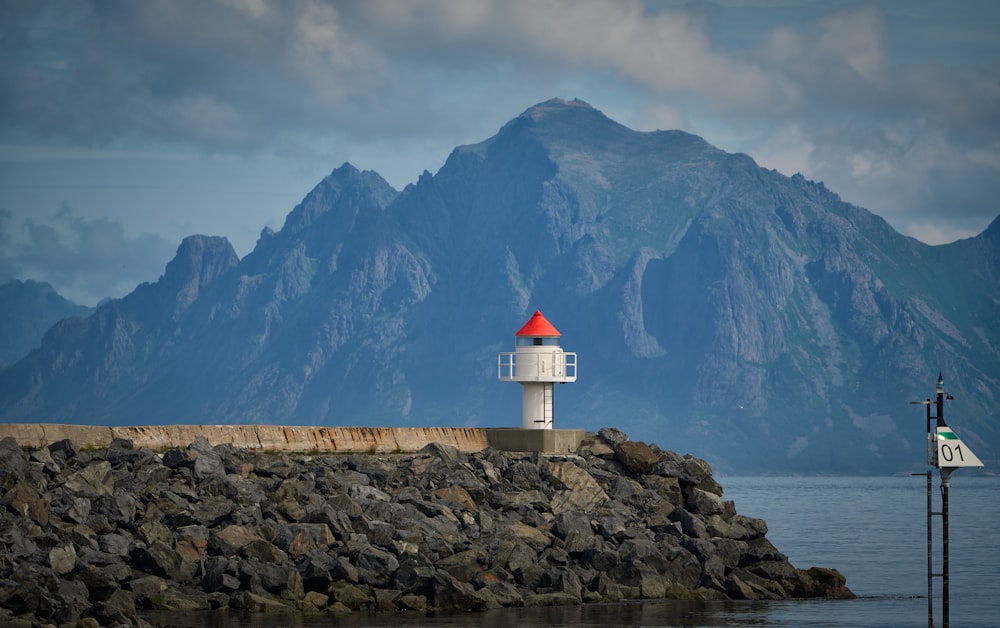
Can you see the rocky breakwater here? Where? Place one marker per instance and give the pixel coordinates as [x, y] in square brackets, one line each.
[95, 537]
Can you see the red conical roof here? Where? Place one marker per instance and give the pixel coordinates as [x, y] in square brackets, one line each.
[538, 326]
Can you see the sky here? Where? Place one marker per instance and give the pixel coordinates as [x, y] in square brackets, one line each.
[126, 126]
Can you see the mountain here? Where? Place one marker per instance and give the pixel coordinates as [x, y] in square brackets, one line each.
[29, 309]
[718, 308]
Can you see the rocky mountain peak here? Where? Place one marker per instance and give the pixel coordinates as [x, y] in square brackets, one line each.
[199, 261]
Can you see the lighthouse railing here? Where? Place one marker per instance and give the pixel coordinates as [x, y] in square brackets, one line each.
[536, 367]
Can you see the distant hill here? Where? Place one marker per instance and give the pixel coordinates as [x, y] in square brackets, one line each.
[717, 307]
[29, 309]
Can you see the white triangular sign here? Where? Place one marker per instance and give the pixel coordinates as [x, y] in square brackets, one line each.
[952, 452]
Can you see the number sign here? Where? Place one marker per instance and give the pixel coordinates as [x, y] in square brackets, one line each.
[952, 452]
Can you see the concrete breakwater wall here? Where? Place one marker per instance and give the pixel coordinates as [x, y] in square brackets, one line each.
[275, 438]
[254, 437]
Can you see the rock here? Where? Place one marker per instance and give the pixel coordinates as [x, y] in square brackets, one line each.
[687, 469]
[570, 524]
[612, 436]
[231, 539]
[115, 544]
[743, 584]
[613, 528]
[300, 539]
[263, 551]
[191, 543]
[119, 508]
[18, 539]
[692, 525]
[72, 598]
[76, 511]
[261, 578]
[415, 574]
[464, 565]
[183, 600]
[457, 496]
[595, 448]
[257, 603]
[375, 567]
[314, 600]
[638, 458]
[121, 454]
[95, 480]
[702, 502]
[149, 589]
[551, 599]
[449, 454]
[62, 452]
[160, 559]
[117, 609]
[563, 580]
[44, 457]
[451, 594]
[13, 464]
[102, 581]
[177, 458]
[220, 575]
[578, 491]
[529, 535]
[26, 502]
[62, 559]
[351, 596]
[829, 583]
[683, 569]
[207, 463]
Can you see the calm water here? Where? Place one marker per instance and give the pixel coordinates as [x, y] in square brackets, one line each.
[871, 529]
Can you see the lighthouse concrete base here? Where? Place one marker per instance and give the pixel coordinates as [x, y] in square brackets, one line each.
[542, 441]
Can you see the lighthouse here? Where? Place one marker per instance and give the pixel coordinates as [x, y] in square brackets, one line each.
[537, 362]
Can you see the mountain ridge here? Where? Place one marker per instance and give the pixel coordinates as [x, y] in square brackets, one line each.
[758, 320]
[30, 308]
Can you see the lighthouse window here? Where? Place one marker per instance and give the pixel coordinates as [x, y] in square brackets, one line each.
[537, 341]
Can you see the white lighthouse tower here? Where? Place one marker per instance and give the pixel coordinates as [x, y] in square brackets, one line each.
[536, 364]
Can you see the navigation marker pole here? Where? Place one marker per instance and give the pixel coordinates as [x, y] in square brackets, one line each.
[930, 514]
[947, 452]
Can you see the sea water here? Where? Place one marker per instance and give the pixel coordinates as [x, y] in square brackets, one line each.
[872, 529]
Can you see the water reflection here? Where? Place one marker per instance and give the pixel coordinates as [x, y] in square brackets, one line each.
[647, 614]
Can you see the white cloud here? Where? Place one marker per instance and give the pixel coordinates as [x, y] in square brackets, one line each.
[936, 233]
[857, 38]
[661, 116]
[868, 164]
[787, 149]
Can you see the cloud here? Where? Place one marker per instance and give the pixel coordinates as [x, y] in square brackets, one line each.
[85, 259]
[805, 87]
[233, 76]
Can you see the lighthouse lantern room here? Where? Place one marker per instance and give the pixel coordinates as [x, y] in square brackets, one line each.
[537, 362]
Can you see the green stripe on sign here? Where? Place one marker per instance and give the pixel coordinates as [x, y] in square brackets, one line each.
[947, 436]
